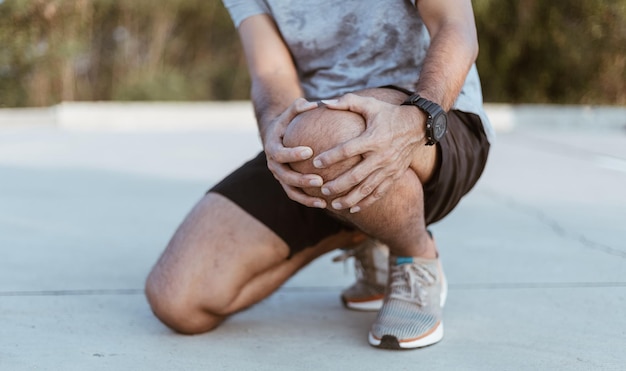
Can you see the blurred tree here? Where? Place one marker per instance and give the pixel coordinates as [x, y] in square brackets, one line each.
[552, 51]
[55, 50]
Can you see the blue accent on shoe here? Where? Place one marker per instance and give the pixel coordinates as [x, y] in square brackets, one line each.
[404, 260]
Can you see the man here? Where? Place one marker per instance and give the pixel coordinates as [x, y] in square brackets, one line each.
[316, 188]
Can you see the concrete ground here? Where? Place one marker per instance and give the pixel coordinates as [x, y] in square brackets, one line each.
[535, 256]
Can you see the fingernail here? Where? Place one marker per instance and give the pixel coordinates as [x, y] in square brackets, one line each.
[336, 205]
[317, 163]
[354, 209]
[326, 191]
[319, 204]
[315, 183]
[306, 153]
[329, 101]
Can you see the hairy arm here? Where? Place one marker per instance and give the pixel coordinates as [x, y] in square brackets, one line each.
[395, 133]
[274, 78]
[453, 49]
[277, 98]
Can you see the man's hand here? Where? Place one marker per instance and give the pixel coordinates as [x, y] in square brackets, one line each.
[279, 156]
[388, 146]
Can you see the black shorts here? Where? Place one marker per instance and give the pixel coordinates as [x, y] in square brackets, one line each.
[462, 157]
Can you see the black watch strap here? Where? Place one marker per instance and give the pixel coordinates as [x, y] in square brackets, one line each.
[435, 117]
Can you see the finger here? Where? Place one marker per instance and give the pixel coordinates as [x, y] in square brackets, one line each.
[284, 155]
[274, 147]
[375, 196]
[351, 178]
[298, 106]
[354, 103]
[357, 194]
[353, 147]
[299, 196]
[285, 175]
[280, 122]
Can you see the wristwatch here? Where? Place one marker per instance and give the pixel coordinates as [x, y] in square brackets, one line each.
[436, 118]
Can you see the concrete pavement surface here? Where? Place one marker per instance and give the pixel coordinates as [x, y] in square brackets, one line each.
[535, 256]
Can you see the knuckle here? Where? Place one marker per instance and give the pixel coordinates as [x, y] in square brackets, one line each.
[292, 180]
[301, 104]
[345, 151]
[354, 178]
[271, 154]
[378, 194]
[295, 196]
[298, 103]
[366, 190]
[279, 158]
[348, 200]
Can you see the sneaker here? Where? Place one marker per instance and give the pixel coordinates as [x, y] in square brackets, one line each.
[411, 316]
[371, 261]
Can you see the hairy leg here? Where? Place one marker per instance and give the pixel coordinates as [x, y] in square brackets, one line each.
[222, 260]
[396, 219]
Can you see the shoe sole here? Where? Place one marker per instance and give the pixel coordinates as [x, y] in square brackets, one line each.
[391, 342]
[363, 306]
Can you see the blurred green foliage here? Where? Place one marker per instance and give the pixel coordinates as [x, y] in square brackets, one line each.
[552, 51]
[533, 51]
[63, 50]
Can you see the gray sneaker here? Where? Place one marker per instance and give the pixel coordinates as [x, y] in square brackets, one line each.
[371, 261]
[411, 316]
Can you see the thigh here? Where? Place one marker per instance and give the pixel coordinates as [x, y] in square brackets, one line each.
[254, 189]
[215, 251]
[222, 260]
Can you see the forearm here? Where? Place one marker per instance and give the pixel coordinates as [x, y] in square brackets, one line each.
[271, 95]
[449, 59]
[275, 96]
[275, 83]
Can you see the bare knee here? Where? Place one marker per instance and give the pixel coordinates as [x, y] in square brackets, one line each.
[322, 129]
[178, 308]
[205, 273]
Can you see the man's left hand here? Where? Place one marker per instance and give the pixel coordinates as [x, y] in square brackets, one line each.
[388, 146]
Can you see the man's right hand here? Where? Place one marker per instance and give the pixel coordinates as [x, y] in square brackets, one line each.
[279, 156]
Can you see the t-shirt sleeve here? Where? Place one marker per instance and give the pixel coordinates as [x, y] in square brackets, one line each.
[242, 9]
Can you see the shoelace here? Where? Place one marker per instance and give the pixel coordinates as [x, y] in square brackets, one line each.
[355, 252]
[347, 254]
[408, 282]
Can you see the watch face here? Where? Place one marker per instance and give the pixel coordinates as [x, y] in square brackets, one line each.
[440, 124]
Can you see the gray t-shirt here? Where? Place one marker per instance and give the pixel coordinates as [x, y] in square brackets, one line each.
[340, 46]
